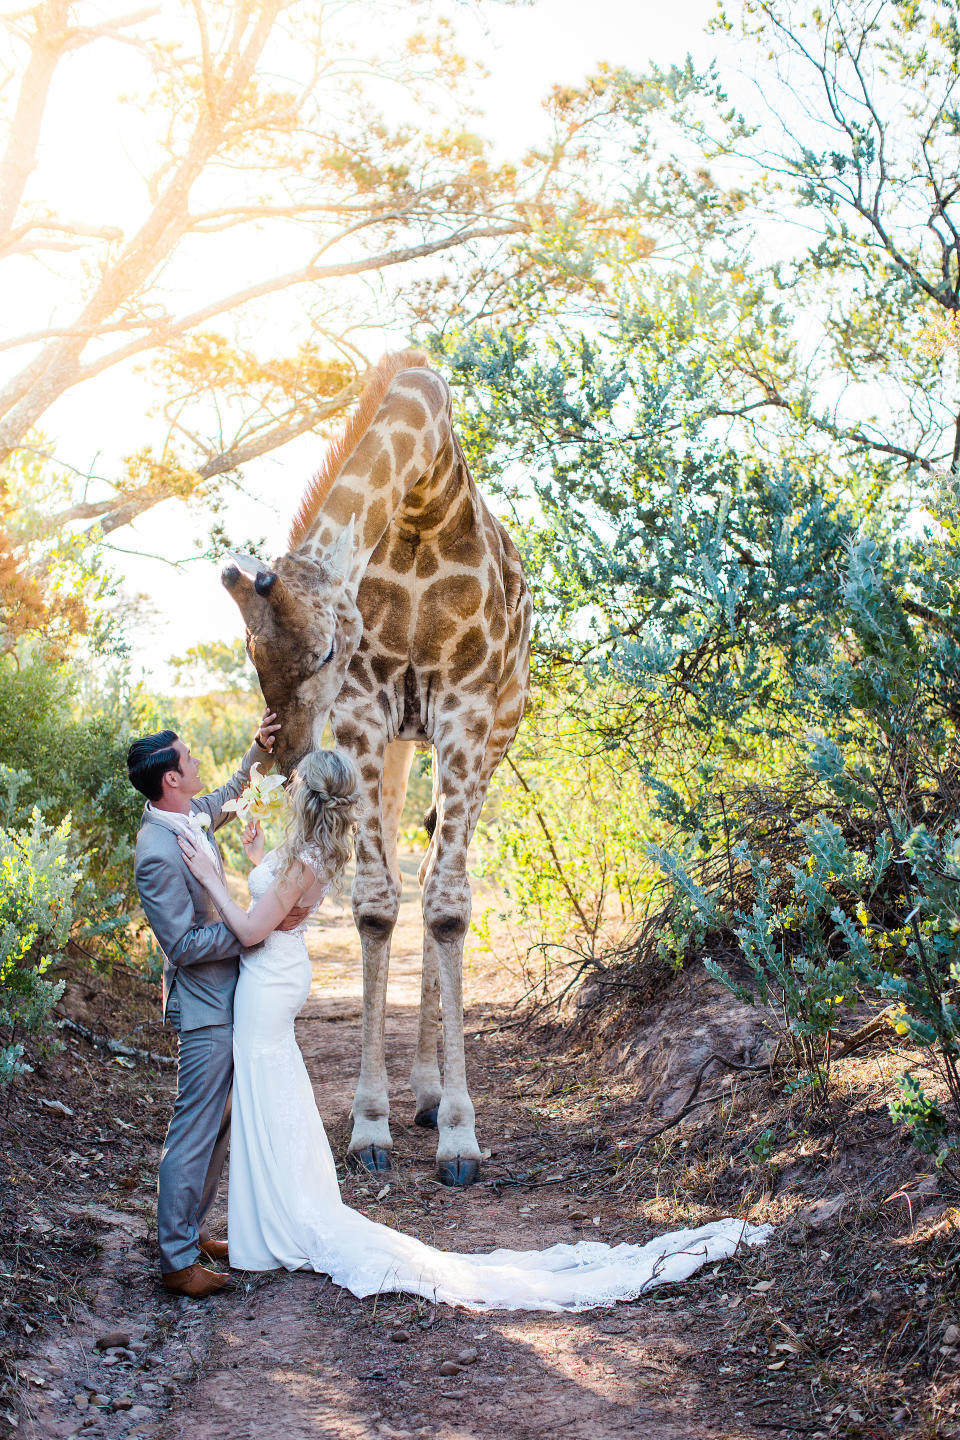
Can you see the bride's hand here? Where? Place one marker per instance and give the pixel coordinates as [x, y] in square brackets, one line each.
[198, 862]
[253, 842]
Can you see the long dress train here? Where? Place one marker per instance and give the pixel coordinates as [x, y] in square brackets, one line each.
[285, 1208]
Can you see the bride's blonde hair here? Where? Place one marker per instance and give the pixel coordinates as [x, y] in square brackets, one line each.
[323, 798]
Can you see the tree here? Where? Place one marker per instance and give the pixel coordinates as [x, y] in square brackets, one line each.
[840, 351]
[271, 137]
[704, 400]
[51, 586]
[217, 665]
[860, 135]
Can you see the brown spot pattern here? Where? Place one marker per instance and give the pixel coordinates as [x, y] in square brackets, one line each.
[409, 411]
[343, 503]
[381, 472]
[375, 523]
[457, 595]
[470, 651]
[384, 667]
[402, 555]
[402, 449]
[385, 607]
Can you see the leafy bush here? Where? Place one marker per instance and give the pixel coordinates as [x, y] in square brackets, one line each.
[68, 742]
[804, 959]
[565, 832]
[864, 903]
[39, 884]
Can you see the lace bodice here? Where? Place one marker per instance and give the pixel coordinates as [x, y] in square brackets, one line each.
[262, 876]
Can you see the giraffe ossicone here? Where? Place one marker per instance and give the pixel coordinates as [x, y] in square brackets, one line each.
[399, 614]
[246, 564]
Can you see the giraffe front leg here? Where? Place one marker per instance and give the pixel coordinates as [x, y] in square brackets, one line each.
[376, 904]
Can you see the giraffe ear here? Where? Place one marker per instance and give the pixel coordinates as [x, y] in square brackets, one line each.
[339, 558]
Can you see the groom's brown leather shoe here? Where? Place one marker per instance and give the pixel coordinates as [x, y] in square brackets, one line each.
[195, 1281]
[214, 1249]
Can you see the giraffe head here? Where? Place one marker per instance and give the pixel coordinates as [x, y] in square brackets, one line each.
[303, 627]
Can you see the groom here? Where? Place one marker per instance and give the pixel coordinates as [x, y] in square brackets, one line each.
[200, 969]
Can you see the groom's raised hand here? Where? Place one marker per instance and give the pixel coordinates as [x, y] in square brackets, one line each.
[265, 737]
[267, 730]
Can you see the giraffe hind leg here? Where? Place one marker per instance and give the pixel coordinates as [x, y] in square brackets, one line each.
[446, 920]
[425, 1072]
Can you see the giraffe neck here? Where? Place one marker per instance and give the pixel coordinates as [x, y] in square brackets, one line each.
[407, 467]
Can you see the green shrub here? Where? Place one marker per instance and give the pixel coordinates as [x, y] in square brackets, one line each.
[68, 743]
[39, 882]
[864, 903]
[805, 960]
[563, 826]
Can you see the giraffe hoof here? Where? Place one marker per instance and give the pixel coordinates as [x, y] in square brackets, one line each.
[371, 1158]
[458, 1171]
[427, 1118]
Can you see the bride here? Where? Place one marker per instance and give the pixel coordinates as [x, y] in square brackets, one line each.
[285, 1207]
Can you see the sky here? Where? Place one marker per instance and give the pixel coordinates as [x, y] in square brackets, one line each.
[526, 49]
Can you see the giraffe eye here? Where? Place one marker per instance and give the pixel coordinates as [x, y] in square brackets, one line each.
[329, 655]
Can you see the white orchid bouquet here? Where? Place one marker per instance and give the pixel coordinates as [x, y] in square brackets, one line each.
[260, 798]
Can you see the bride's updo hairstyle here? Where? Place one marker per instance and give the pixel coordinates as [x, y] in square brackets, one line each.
[323, 798]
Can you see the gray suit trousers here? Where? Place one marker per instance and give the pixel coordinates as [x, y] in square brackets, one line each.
[195, 1149]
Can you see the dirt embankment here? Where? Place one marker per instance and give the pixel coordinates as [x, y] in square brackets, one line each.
[847, 1324]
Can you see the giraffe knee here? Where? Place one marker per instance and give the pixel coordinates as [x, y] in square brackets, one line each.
[377, 923]
[446, 911]
[447, 926]
[375, 915]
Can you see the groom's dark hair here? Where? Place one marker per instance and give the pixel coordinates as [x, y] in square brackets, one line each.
[149, 759]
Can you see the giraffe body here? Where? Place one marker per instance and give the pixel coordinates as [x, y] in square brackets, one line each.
[400, 613]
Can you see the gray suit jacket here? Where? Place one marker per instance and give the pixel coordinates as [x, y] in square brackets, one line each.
[199, 952]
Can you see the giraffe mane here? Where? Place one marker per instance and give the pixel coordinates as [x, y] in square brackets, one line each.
[344, 444]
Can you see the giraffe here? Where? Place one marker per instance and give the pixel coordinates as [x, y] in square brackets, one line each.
[400, 614]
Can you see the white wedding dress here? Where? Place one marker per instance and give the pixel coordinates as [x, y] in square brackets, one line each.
[285, 1208]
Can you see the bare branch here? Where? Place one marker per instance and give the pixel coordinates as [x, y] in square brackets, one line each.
[163, 228]
[109, 515]
[52, 39]
[46, 50]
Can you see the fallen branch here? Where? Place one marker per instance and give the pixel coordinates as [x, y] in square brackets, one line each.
[867, 1032]
[116, 1047]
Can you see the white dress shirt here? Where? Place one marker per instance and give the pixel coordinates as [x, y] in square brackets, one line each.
[190, 826]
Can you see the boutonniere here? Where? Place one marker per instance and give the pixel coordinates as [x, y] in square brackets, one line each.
[262, 795]
[200, 820]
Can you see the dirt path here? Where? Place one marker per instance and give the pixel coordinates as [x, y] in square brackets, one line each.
[296, 1357]
[291, 1357]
